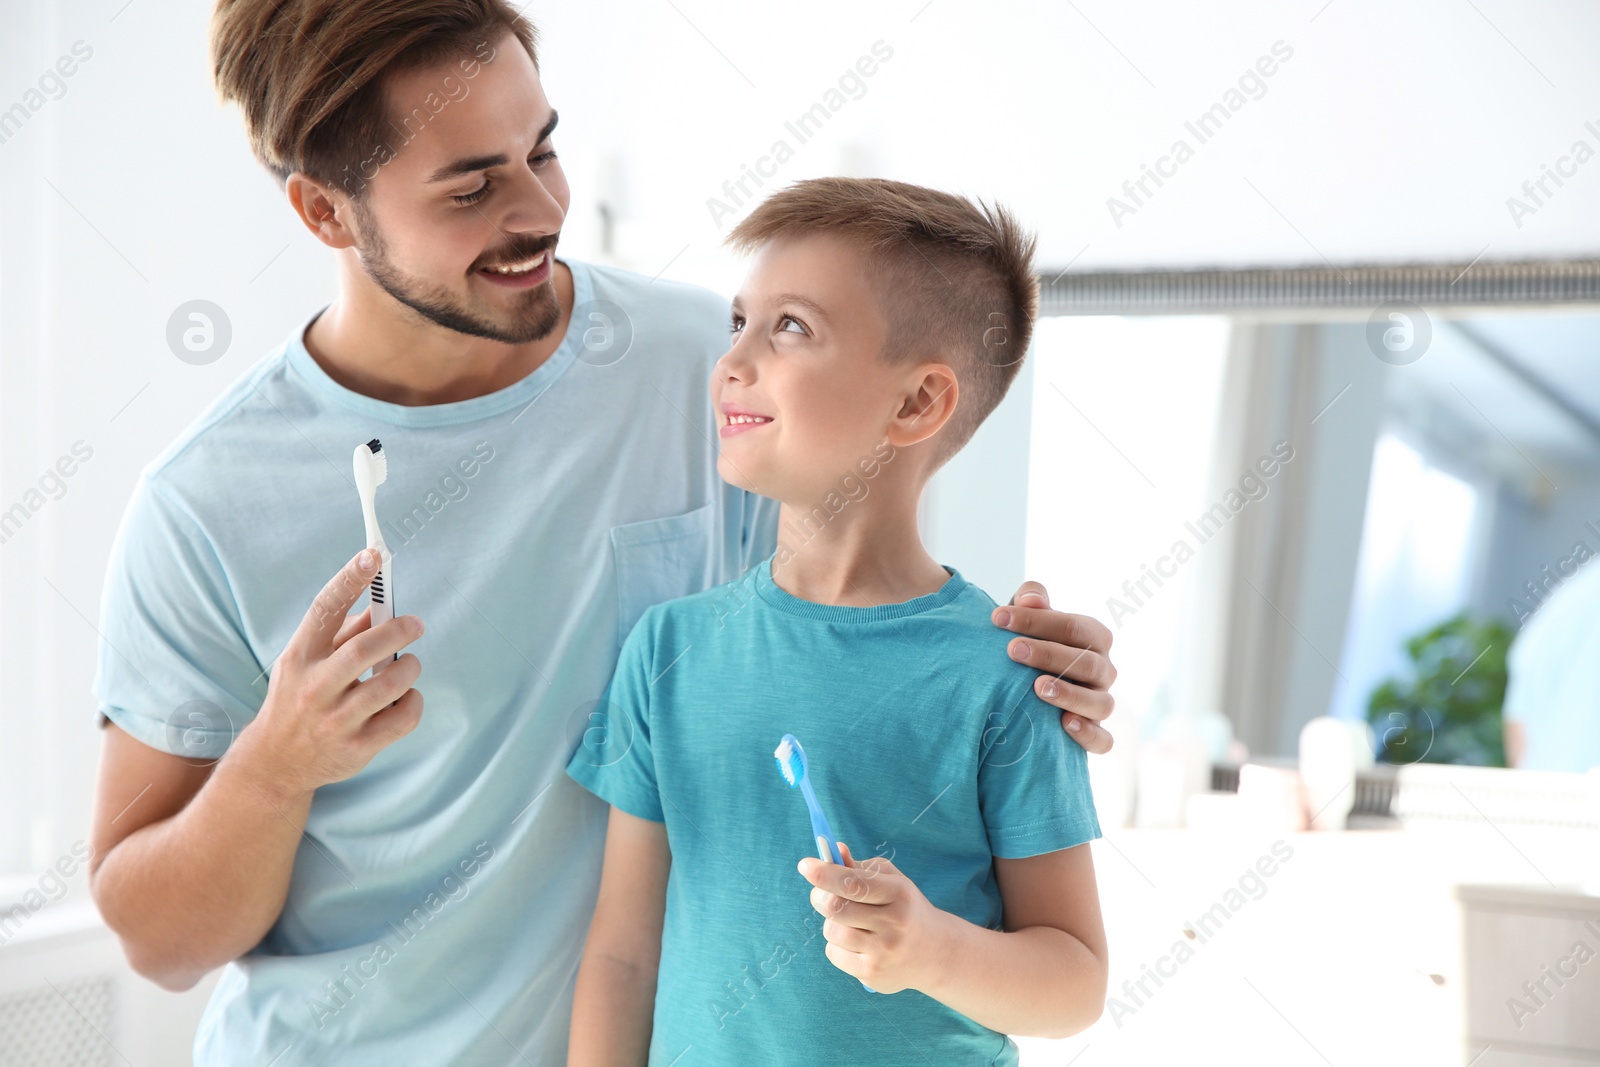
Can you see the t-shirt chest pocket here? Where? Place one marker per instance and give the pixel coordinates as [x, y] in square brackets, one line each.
[662, 559]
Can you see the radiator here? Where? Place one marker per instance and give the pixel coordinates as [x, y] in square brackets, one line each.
[69, 999]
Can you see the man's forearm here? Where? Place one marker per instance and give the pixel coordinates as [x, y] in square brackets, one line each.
[191, 892]
[613, 1006]
[1034, 982]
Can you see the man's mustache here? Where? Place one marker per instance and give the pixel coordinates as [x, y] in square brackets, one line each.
[522, 253]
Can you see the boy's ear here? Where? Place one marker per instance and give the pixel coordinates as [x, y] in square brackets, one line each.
[926, 406]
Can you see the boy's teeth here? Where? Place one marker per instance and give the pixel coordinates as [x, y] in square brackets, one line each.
[733, 419]
[521, 268]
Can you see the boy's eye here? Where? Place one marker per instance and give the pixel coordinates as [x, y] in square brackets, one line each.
[791, 322]
[735, 324]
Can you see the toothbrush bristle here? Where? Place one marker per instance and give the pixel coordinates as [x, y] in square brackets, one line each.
[380, 458]
[788, 762]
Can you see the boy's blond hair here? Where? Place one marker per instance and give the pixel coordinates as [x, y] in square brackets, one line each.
[955, 280]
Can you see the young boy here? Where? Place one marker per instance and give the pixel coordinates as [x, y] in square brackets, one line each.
[879, 325]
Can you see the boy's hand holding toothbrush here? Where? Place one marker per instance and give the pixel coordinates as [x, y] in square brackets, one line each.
[1043, 974]
[878, 925]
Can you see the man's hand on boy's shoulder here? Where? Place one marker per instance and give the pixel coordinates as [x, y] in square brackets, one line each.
[1073, 656]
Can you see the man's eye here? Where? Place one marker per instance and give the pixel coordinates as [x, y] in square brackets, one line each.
[473, 197]
[545, 158]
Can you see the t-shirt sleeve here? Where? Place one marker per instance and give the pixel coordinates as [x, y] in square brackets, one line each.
[613, 758]
[174, 668]
[1033, 780]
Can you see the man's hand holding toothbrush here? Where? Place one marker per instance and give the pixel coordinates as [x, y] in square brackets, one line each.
[320, 723]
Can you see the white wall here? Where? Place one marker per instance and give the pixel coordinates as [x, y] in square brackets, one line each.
[1392, 133]
[127, 196]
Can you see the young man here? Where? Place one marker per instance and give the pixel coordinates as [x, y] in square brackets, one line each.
[852, 352]
[387, 885]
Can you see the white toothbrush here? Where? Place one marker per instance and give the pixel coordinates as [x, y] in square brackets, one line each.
[372, 468]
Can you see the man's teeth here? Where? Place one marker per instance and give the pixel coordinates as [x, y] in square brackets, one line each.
[734, 420]
[521, 268]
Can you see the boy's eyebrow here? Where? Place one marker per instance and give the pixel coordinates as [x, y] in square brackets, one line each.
[810, 305]
[736, 306]
[472, 163]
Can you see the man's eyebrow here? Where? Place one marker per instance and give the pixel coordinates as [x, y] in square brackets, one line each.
[472, 163]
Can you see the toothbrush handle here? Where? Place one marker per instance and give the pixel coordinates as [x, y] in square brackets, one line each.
[381, 593]
[827, 847]
[827, 844]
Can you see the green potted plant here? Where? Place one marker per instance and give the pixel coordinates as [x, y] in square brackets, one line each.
[1447, 708]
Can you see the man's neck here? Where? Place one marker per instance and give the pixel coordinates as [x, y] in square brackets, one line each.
[373, 345]
[860, 557]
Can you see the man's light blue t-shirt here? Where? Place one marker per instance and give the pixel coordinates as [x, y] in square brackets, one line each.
[439, 898]
[926, 745]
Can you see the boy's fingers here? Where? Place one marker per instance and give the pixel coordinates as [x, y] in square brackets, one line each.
[850, 963]
[844, 850]
[844, 882]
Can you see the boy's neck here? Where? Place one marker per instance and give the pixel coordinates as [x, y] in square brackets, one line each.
[866, 554]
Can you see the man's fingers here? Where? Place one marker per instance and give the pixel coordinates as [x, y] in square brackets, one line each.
[1037, 596]
[1066, 662]
[327, 613]
[366, 650]
[1062, 627]
[398, 719]
[1095, 740]
[1094, 704]
[352, 625]
[367, 700]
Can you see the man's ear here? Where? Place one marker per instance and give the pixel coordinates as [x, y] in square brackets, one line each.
[321, 211]
[926, 405]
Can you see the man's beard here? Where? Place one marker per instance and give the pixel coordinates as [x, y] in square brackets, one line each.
[534, 317]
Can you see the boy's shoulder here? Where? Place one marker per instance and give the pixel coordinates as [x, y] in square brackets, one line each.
[982, 644]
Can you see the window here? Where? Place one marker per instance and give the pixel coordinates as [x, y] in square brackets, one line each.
[1415, 567]
[1124, 417]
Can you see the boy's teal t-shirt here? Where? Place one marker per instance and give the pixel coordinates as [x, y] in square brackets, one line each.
[926, 744]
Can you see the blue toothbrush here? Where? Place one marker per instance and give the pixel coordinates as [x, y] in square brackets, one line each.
[792, 763]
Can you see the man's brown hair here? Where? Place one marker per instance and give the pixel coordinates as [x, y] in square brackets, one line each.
[309, 75]
[954, 279]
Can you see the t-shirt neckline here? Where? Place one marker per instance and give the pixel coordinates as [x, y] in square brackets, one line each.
[774, 594]
[518, 394]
